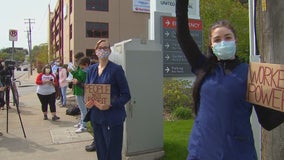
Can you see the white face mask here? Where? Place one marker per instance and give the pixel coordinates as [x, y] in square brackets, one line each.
[224, 50]
[47, 71]
[102, 53]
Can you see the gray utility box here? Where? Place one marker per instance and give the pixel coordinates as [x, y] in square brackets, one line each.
[143, 129]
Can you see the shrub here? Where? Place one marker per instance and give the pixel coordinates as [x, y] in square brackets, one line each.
[182, 113]
[177, 93]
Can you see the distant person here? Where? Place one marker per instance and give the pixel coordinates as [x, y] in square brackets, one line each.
[79, 78]
[6, 78]
[46, 83]
[2, 101]
[55, 70]
[107, 119]
[63, 83]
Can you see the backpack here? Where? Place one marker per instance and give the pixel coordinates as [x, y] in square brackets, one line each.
[72, 111]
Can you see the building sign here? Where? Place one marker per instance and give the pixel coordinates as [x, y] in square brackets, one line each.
[98, 92]
[175, 63]
[13, 35]
[169, 6]
[141, 6]
[266, 85]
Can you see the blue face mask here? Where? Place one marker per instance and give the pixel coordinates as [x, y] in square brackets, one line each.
[224, 50]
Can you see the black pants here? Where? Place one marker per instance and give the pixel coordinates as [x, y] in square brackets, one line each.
[46, 100]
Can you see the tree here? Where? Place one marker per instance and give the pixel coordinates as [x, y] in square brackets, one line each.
[19, 55]
[39, 56]
[232, 10]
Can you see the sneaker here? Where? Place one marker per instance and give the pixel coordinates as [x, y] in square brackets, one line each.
[91, 147]
[54, 118]
[81, 129]
[62, 105]
[45, 117]
[77, 125]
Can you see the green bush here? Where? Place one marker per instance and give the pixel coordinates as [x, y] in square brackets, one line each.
[177, 93]
[182, 113]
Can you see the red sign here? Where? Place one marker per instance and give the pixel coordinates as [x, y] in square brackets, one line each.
[13, 35]
[170, 22]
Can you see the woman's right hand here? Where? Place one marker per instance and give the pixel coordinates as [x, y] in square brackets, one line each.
[89, 104]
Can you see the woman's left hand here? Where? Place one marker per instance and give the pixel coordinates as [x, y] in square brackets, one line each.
[101, 106]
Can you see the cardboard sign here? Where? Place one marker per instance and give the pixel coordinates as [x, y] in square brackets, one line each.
[98, 92]
[266, 85]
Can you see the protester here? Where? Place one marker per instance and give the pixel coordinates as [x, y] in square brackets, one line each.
[79, 77]
[107, 119]
[55, 70]
[46, 83]
[6, 74]
[222, 128]
[2, 101]
[63, 83]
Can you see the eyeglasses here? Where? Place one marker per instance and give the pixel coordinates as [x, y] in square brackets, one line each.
[103, 47]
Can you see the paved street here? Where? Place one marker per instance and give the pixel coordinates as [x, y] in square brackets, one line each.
[45, 139]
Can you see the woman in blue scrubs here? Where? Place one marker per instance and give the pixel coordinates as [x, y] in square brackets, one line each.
[222, 129]
[107, 120]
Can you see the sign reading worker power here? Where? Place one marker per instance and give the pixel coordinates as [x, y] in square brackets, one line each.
[98, 92]
[13, 35]
[266, 85]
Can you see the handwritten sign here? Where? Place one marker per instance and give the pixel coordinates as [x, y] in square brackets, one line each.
[266, 85]
[99, 92]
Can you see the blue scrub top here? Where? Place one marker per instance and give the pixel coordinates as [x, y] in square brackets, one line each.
[222, 128]
[114, 75]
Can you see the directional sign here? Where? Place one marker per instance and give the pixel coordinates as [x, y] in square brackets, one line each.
[177, 70]
[13, 35]
[175, 63]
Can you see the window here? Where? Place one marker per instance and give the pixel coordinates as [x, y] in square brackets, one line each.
[70, 56]
[91, 54]
[70, 6]
[70, 31]
[97, 5]
[97, 30]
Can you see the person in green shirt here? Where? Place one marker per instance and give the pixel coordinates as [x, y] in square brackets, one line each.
[79, 77]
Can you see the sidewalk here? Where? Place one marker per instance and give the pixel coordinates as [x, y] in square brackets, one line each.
[45, 139]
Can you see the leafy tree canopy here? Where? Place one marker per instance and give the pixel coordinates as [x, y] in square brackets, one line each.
[233, 11]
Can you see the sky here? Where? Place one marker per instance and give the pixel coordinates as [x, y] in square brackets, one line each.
[15, 13]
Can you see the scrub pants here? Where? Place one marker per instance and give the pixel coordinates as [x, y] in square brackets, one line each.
[108, 141]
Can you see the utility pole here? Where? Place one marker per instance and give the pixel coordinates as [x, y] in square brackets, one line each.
[29, 35]
[270, 24]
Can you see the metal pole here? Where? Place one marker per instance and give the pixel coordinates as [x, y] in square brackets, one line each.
[13, 50]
